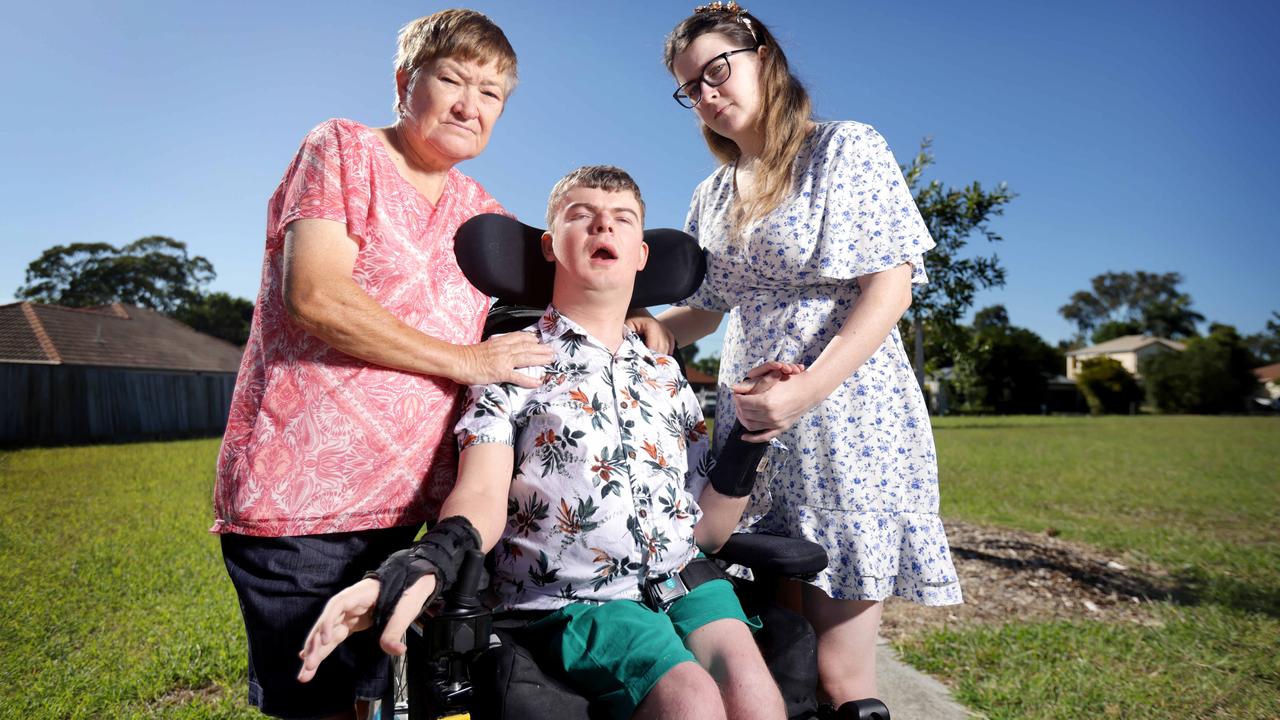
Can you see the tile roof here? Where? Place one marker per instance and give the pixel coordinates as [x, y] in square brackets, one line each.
[1267, 373]
[116, 335]
[697, 377]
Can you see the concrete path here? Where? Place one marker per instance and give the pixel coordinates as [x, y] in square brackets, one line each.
[912, 695]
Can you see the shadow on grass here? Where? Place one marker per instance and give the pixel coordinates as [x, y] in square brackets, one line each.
[1196, 587]
[1029, 556]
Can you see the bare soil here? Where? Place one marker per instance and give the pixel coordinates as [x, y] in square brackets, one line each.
[1014, 575]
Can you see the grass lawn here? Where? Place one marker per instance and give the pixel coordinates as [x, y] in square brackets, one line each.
[1199, 496]
[114, 601]
[113, 598]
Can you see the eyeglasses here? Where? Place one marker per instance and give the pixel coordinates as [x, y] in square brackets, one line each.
[715, 73]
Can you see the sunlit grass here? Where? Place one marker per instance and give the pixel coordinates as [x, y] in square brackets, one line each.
[113, 598]
[114, 601]
[1199, 496]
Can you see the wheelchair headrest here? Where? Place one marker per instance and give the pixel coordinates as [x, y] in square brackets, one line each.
[503, 258]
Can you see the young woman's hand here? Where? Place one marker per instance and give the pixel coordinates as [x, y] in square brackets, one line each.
[771, 398]
[351, 611]
[655, 335]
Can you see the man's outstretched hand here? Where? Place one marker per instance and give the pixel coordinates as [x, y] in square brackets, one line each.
[351, 611]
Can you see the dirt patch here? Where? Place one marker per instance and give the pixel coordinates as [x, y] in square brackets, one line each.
[179, 696]
[1015, 575]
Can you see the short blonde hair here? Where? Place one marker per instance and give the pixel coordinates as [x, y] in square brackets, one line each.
[595, 177]
[457, 33]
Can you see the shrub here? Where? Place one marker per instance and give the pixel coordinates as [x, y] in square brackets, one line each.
[1107, 386]
[1211, 376]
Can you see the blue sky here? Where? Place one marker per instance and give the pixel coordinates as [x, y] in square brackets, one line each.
[1137, 135]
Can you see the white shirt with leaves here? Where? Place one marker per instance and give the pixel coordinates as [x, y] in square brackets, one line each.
[611, 451]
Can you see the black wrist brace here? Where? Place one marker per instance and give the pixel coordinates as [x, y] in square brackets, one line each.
[735, 471]
[440, 552]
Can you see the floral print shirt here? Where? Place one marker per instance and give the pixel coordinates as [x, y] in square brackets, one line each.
[318, 441]
[610, 452]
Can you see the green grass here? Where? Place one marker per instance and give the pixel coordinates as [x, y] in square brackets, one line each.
[1204, 662]
[113, 598]
[1199, 496]
[114, 601]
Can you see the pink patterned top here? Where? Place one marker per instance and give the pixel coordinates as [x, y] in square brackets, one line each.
[318, 441]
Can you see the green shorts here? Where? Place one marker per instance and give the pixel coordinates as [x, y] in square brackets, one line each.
[616, 652]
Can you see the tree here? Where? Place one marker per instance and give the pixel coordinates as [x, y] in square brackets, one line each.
[1211, 376]
[1149, 302]
[688, 352]
[1113, 329]
[1107, 386]
[952, 215]
[1265, 345]
[1006, 369]
[709, 365]
[153, 272]
[220, 315]
[941, 343]
[989, 318]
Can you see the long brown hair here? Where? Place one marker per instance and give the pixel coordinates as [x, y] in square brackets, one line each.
[785, 109]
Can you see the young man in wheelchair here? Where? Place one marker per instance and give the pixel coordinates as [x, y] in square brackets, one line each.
[598, 492]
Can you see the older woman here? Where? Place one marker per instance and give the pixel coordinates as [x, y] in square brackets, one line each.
[337, 445]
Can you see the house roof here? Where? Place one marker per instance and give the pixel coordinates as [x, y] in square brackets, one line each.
[1267, 373]
[1126, 343]
[697, 377]
[116, 335]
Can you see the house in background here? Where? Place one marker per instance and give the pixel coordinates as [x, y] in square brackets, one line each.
[117, 372]
[705, 387]
[1268, 393]
[1129, 351]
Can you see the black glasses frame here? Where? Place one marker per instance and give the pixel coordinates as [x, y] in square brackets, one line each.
[702, 77]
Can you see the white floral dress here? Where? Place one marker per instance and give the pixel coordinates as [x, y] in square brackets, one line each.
[861, 477]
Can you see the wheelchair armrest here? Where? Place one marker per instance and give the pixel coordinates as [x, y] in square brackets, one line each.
[774, 554]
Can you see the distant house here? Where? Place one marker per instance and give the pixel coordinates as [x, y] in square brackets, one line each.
[117, 372]
[1268, 384]
[1129, 351]
[705, 386]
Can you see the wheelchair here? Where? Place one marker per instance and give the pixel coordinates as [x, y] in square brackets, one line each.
[465, 661]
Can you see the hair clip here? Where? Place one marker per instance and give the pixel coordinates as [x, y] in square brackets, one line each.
[739, 13]
[730, 6]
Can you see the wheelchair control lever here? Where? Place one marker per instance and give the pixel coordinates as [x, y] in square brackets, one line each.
[463, 596]
[734, 474]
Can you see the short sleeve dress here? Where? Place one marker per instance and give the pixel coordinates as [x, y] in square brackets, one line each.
[861, 477]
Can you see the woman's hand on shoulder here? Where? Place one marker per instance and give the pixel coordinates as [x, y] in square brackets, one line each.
[656, 336]
[771, 398]
[496, 360]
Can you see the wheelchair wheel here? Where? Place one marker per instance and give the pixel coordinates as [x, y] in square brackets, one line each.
[395, 704]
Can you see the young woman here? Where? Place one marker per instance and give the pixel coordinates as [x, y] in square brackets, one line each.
[813, 244]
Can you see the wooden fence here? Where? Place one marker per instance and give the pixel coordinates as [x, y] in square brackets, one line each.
[68, 404]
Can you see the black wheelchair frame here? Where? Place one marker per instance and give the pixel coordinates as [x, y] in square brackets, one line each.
[463, 661]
